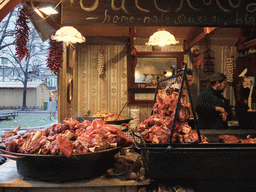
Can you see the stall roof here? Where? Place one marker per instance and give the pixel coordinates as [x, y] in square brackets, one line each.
[7, 6]
[48, 25]
[68, 8]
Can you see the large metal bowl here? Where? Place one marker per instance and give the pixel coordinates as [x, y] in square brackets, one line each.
[81, 119]
[119, 122]
[116, 122]
[59, 168]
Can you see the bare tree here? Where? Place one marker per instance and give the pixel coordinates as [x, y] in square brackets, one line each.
[6, 31]
[6, 39]
[27, 68]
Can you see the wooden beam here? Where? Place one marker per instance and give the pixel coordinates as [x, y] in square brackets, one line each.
[246, 45]
[190, 43]
[7, 6]
[53, 20]
[191, 34]
[40, 1]
[208, 30]
[132, 32]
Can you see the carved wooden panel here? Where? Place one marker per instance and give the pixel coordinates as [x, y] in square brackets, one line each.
[109, 91]
[102, 92]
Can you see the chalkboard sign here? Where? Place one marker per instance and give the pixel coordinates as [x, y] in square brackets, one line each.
[159, 13]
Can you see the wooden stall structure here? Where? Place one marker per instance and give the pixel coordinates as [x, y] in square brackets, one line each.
[114, 28]
[11, 95]
[103, 19]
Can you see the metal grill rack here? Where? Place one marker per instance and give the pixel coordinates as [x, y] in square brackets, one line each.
[164, 83]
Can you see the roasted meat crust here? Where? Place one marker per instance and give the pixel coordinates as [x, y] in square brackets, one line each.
[228, 139]
[107, 116]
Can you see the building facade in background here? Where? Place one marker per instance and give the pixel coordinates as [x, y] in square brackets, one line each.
[11, 94]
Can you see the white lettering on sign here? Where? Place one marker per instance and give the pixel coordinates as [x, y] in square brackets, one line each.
[251, 7]
[162, 10]
[189, 4]
[132, 19]
[181, 19]
[207, 3]
[234, 6]
[246, 20]
[92, 8]
[200, 20]
[248, 7]
[127, 20]
[222, 8]
[122, 6]
[137, 5]
[167, 16]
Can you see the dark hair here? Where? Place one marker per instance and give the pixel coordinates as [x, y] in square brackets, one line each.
[212, 83]
[217, 77]
[220, 81]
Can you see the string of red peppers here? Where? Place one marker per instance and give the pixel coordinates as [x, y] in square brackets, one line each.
[21, 34]
[54, 60]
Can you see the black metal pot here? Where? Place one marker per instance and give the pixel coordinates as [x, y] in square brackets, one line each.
[116, 122]
[119, 122]
[199, 160]
[89, 118]
[59, 168]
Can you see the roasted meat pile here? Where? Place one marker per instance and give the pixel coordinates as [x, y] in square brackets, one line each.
[107, 116]
[228, 139]
[69, 137]
[234, 139]
[157, 128]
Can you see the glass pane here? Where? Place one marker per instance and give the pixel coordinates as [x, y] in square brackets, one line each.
[151, 68]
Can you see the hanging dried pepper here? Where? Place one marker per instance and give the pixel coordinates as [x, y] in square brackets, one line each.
[21, 34]
[54, 60]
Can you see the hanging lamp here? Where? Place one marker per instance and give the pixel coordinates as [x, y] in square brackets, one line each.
[162, 38]
[68, 34]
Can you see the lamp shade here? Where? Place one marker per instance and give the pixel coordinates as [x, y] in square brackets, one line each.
[162, 38]
[68, 34]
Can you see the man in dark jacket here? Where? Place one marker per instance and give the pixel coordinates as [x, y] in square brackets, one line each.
[211, 107]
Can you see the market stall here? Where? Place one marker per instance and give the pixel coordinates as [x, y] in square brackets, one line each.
[99, 74]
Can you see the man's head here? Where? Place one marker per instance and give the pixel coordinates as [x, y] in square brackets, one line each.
[218, 81]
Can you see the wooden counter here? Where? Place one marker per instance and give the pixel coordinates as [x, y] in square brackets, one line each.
[10, 180]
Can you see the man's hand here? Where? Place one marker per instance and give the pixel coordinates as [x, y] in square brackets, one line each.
[224, 116]
[223, 113]
[220, 109]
